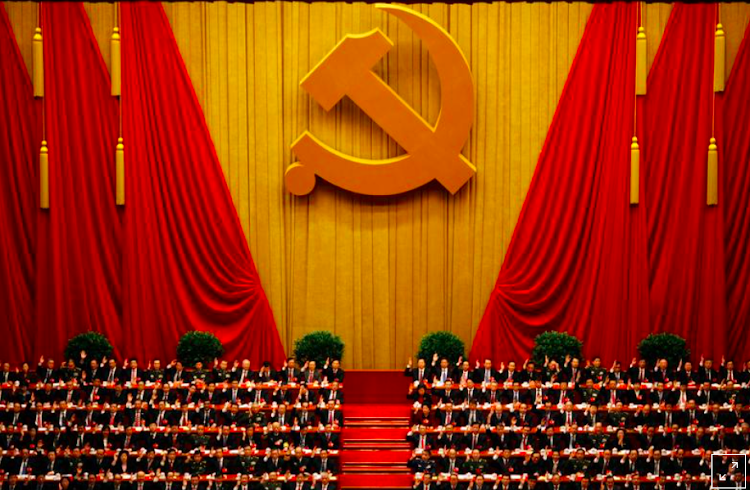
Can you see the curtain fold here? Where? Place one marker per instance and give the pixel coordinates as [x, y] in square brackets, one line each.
[79, 238]
[577, 260]
[685, 236]
[187, 264]
[19, 146]
[734, 174]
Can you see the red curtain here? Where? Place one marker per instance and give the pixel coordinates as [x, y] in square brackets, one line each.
[685, 236]
[78, 286]
[734, 144]
[174, 258]
[602, 273]
[577, 261]
[187, 263]
[19, 201]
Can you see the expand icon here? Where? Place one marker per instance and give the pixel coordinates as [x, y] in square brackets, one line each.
[432, 153]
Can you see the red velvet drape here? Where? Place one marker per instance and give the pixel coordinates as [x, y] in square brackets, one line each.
[187, 263]
[174, 258]
[577, 261]
[612, 287]
[20, 137]
[78, 285]
[685, 236]
[734, 144]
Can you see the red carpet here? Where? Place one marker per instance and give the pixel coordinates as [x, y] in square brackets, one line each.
[375, 457]
[370, 410]
[377, 387]
[374, 433]
[375, 453]
[376, 480]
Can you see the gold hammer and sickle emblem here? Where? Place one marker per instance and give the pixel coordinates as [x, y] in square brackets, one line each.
[432, 152]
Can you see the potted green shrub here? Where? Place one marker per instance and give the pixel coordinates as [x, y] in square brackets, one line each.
[444, 344]
[197, 346]
[667, 346]
[318, 346]
[555, 345]
[94, 344]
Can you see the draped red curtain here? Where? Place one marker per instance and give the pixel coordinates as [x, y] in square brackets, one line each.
[577, 261]
[78, 286]
[611, 274]
[685, 236]
[734, 144]
[174, 258]
[187, 263]
[19, 145]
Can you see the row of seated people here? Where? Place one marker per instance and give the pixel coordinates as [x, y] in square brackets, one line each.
[426, 481]
[129, 438]
[578, 462]
[574, 373]
[607, 393]
[139, 415]
[575, 419]
[610, 417]
[248, 460]
[97, 392]
[85, 371]
[173, 481]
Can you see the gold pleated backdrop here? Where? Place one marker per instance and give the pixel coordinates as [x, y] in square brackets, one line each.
[379, 272]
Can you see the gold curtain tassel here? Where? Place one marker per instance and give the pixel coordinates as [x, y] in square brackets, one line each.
[720, 50]
[635, 171]
[120, 173]
[37, 51]
[641, 62]
[44, 176]
[712, 196]
[116, 66]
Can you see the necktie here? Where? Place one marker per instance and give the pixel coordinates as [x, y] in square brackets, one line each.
[641, 374]
[486, 375]
[39, 419]
[111, 377]
[330, 417]
[134, 376]
[448, 418]
[422, 442]
[309, 377]
[443, 375]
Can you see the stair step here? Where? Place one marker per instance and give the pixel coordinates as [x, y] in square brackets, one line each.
[380, 445]
[378, 469]
[377, 424]
[376, 481]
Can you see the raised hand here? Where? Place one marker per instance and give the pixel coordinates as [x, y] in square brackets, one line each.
[83, 354]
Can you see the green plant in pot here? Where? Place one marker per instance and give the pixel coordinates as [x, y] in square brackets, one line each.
[444, 344]
[95, 345]
[197, 346]
[667, 346]
[555, 345]
[318, 346]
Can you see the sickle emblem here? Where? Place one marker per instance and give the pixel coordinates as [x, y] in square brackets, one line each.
[432, 152]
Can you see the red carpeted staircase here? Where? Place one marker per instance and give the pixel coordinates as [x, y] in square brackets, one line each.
[374, 448]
